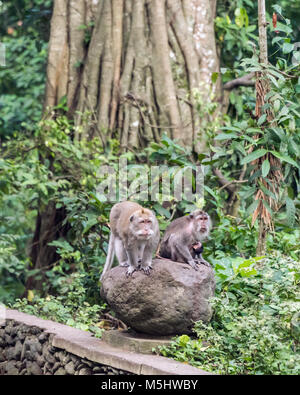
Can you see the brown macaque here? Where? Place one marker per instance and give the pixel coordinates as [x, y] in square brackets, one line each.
[134, 237]
[182, 241]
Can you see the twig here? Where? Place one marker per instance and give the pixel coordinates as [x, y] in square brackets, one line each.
[223, 181]
[115, 321]
[246, 80]
[232, 182]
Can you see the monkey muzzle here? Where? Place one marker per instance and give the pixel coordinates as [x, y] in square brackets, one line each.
[145, 234]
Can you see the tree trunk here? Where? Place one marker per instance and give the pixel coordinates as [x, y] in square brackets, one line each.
[262, 86]
[137, 73]
[48, 228]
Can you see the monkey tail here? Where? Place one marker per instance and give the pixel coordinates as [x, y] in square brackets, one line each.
[110, 255]
[157, 251]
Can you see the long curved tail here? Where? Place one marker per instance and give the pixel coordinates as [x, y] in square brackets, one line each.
[110, 255]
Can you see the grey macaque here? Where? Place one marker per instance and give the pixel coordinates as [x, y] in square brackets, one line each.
[182, 241]
[134, 237]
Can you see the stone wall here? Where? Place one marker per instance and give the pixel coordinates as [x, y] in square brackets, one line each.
[28, 350]
[33, 346]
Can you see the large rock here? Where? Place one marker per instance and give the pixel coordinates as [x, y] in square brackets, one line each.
[166, 302]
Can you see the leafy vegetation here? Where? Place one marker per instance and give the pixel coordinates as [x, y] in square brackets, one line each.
[24, 33]
[64, 307]
[250, 332]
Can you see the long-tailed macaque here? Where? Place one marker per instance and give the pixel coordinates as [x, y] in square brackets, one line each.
[134, 237]
[182, 241]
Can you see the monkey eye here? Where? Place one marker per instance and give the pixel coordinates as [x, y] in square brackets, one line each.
[145, 221]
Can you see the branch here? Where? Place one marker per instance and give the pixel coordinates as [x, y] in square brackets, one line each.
[246, 80]
[232, 182]
[223, 180]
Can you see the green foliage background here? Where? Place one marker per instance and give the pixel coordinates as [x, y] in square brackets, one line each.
[24, 30]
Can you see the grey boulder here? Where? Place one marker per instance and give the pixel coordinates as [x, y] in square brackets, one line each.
[167, 302]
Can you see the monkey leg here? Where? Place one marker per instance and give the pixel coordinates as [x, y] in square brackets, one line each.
[121, 252]
[141, 248]
[133, 259]
[147, 260]
[184, 252]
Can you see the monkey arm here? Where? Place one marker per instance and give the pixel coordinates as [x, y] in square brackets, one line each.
[200, 260]
[121, 252]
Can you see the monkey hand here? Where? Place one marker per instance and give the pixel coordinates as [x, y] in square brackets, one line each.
[193, 264]
[203, 262]
[146, 269]
[130, 270]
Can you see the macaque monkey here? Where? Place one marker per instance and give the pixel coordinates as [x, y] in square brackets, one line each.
[134, 237]
[196, 252]
[182, 241]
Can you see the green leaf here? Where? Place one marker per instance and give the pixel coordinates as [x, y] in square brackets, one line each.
[241, 17]
[210, 191]
[267, 191]
[262, 119]
[279, 132]
[283, 28]
[284, 111]
[226, 136]
[276, 105]
[277, 8]
[285, 158]
[251, 192]
[290, 211]
[161, 210]
[247, 271]
[276, 73]
[231, 128]
[252, 207]
[287, 48]
[296, 56]
[214, 77]
[254, 155]
[265, 168]
[183, 340]
[276, 40]
[91, 222]
[63, 244]
[267, 207]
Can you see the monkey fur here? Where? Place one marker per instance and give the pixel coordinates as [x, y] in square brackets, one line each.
[134, 237]
[182, 241]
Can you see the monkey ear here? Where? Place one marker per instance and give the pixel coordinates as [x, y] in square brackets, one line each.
[191, 216]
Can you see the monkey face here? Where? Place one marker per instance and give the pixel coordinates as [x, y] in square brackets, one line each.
[201, 221]
[142, 224]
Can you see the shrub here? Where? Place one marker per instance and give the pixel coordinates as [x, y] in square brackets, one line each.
[250, 332]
